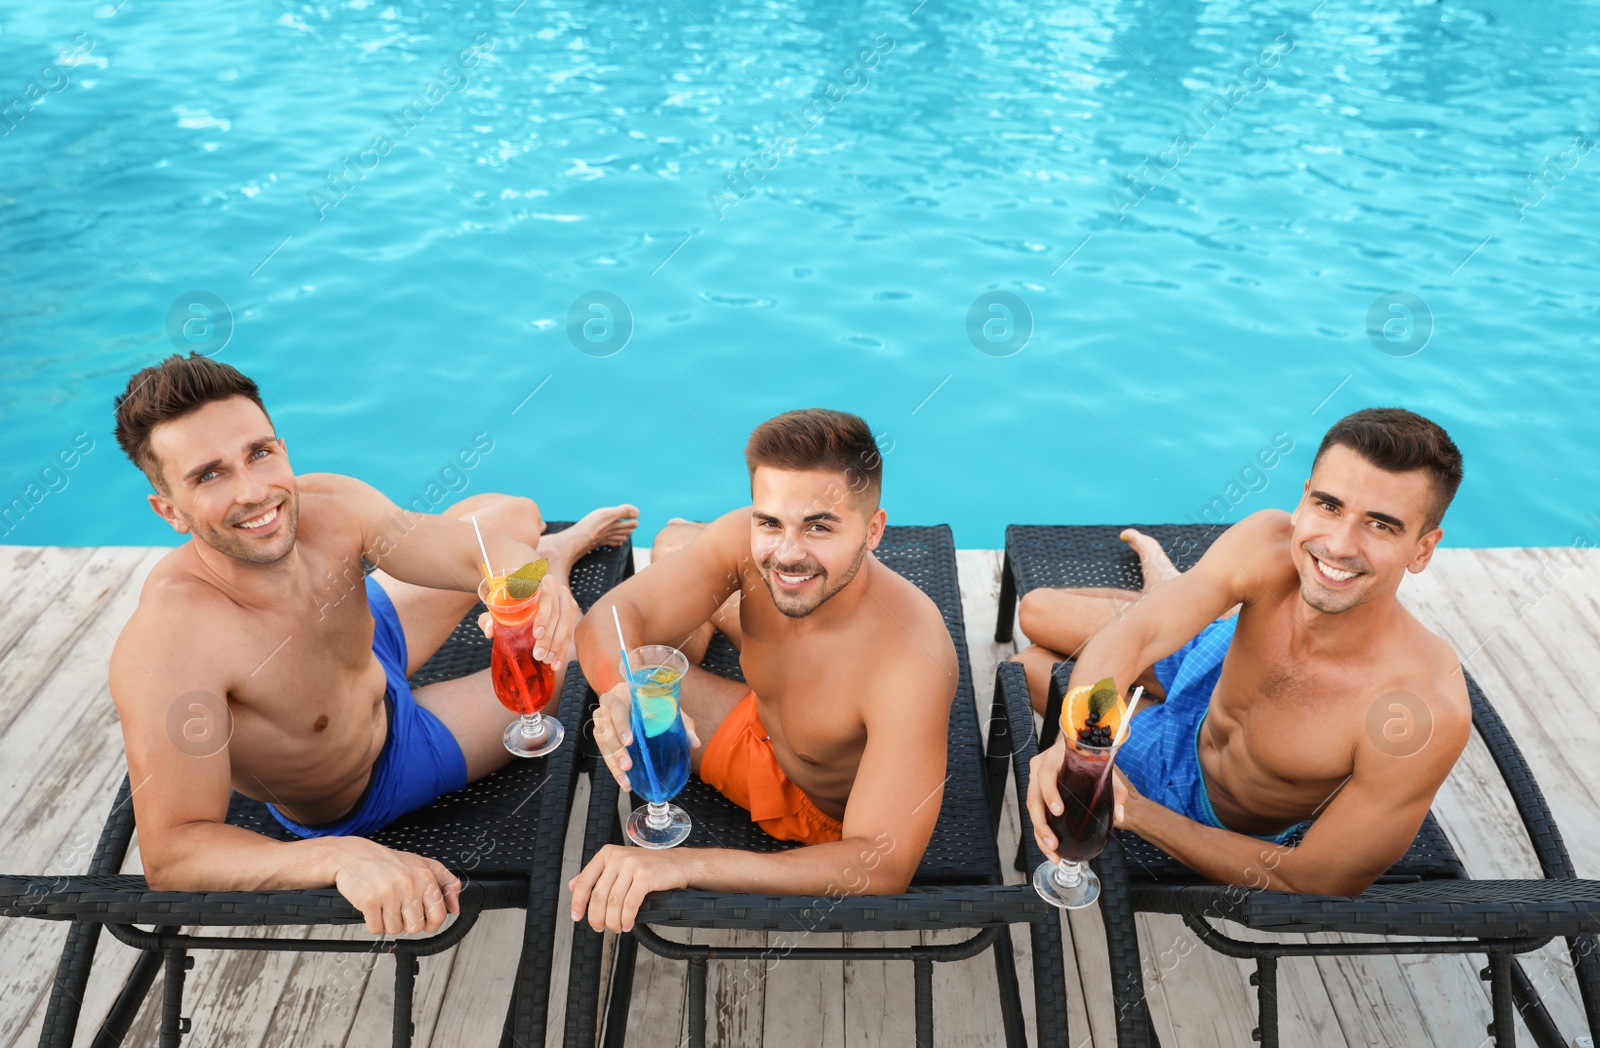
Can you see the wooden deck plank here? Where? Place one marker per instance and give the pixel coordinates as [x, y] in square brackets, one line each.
[561, 956]
[479, 984]
[804, 1000]
[879, 996]
[657, 1003]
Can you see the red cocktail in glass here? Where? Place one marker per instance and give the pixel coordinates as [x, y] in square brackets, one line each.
[523, 684]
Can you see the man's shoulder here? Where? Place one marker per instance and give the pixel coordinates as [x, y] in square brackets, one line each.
[177, 604]
[725, 539]
[911, 638]
[1264, 531]
[1255, 553]
[1423, 708]
[329, 484]
[1442, 681]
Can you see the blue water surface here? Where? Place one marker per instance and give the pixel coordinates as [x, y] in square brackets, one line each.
[1202, 229]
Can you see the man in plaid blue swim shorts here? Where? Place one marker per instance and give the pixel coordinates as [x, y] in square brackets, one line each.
[1302, 719]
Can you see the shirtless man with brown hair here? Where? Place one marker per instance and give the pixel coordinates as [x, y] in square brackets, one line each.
[839, 738]
[1324, 702]
[261, 660]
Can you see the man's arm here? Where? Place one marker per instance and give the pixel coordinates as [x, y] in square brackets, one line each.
[1364, 830]
[171, 698]
[662, 604]
[427, 549]
[888, 821]
[424, 549]
[667, 601]
[1158, 624]
[1167, 617]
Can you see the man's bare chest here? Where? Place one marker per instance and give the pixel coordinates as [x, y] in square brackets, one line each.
[301, 663]
[809, 703]
[1291, 719]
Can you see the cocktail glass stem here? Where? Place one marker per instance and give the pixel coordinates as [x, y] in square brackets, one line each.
[663, 825]
[533, 735]
[1069, 884]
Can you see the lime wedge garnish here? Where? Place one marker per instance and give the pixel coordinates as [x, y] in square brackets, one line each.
[524, 582]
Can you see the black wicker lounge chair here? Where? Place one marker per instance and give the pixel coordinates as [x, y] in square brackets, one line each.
[503, 835]
[1426, 896]
[960, 883]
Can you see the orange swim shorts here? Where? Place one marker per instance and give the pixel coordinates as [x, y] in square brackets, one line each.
[740, 764]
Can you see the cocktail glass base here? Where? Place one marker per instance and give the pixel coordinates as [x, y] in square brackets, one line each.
[658, 826]
[534, 735]
[1069, 885]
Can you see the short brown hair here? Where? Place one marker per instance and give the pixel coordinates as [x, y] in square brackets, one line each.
[819, 439]
[170, 390]
[1400, 441]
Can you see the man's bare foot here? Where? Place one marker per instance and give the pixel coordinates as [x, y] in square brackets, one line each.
[1153, 560]
[606, 526]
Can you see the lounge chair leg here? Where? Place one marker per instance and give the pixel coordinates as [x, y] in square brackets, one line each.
[620, 993]
[922, 974]
[405, 981]
[1134, 1029]
[508, 1035]
[1265, 981]
[697, 1001]
[173, 1024]
[1008, 602]
[997, 750]
[126, 1007]
[1005, 966]
[1546, 1034]
[1504, 1027]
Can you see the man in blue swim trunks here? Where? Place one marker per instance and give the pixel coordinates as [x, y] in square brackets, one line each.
[262, 659]
[1322, 707]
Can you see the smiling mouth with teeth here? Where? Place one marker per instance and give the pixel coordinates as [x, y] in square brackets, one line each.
[257, 523]
[1336, 574]
[788, 579]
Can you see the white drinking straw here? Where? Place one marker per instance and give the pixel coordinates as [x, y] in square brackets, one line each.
[488, 572]
[1122, 729]
[625, 663]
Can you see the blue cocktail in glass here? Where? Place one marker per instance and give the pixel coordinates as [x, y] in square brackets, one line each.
[660, 747]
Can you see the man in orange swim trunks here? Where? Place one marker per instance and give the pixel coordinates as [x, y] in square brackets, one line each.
[839, 739]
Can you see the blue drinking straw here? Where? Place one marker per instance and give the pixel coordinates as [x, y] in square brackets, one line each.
[635, 721]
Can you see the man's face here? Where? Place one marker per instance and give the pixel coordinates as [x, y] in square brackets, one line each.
[1358, 530]
[808, 535]
[227, 481]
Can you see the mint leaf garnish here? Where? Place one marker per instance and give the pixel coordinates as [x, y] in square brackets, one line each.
[524, 582]
[1103, 698]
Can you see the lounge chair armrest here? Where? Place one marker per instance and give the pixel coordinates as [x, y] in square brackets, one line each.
[919, 908]
[1543, 834]
[1011, 688]
[1528, 909]
[126, 899]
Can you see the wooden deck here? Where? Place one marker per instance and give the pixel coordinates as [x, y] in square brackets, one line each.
[1527, 622]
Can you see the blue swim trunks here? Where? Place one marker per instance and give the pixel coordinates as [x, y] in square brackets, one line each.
[421, 761]
[1161, 756]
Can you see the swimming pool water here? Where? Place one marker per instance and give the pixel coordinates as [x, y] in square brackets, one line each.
[1079, 262]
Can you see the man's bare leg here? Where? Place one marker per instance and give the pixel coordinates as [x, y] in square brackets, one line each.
[1059, 622]
[467, 705]
[708, 699]
[677, 534]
